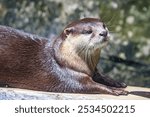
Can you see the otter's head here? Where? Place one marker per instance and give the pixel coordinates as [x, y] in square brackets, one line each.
[86, 37]
[88, 32]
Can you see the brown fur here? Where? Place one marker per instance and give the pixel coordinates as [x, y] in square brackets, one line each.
[57, 65]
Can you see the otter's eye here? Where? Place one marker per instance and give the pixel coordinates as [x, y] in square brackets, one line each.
[86, 31]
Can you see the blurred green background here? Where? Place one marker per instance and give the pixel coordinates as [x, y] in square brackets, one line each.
[126, 58]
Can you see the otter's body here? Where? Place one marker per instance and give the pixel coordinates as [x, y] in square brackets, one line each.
[64, 64]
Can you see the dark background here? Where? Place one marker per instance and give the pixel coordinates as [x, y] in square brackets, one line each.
[126, 58]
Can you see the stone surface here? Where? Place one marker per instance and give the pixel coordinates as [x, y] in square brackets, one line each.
[137, 93]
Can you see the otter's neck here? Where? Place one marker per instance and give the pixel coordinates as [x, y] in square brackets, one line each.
[90, 56]
[82, 61]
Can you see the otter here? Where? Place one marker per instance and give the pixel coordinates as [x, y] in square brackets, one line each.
[64, 64]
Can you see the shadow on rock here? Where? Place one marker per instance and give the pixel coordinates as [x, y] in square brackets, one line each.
[141, 93]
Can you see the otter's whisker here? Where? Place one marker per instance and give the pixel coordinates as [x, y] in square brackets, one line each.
[112, 18]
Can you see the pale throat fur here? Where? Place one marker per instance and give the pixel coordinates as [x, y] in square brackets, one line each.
[73, 51]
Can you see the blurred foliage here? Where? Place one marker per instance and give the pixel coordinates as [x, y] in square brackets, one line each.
[127, 20]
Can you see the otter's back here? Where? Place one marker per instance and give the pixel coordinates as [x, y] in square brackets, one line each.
[19, 51]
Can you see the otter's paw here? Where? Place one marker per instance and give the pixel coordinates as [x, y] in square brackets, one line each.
[118, 92]
[119, 85]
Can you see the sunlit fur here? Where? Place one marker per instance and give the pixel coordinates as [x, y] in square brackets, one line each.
[84, 47]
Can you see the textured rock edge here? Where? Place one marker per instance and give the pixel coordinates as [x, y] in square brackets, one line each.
[23, 94]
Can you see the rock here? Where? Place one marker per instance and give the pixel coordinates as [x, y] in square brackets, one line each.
[137, 93]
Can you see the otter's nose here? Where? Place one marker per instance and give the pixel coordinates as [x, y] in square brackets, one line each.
[103, 33]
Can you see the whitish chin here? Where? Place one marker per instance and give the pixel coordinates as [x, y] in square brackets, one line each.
[105, 40]
[104, 43]
[98, 43]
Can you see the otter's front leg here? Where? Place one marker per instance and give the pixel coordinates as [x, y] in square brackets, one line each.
[106, 80]
[93, 87]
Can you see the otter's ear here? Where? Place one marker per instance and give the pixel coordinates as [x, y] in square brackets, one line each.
[69, 30]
